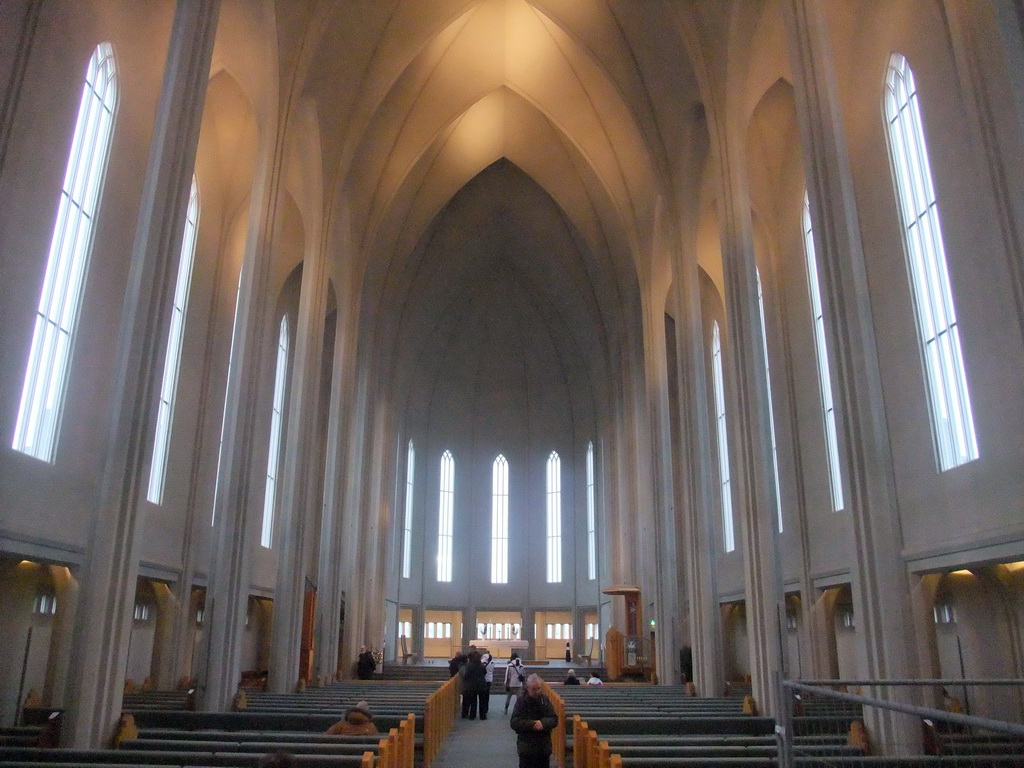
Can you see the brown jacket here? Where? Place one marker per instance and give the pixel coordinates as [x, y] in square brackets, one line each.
[357, 722]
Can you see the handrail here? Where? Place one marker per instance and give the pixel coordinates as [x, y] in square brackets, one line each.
[439, 718]
[908, 709]
[558, 734]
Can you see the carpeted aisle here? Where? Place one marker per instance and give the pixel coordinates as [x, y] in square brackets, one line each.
[490, 743]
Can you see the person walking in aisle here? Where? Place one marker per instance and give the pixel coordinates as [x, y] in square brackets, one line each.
[515, 677]
[533, 719]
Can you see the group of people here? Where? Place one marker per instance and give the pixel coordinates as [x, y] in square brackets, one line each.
[571, 679]
[533, 715]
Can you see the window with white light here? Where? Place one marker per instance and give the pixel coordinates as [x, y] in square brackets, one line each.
[405, 629]
[554, 518]
[824, 376]
[771, 410]
[276, 421]
[224, 414]
[141, 612]
[45, 604]
[56, 323]
[725, 486]
[499, 521]
[446, 518]
[938, 332]
[591, 516]
[172, 356]
[410, 473]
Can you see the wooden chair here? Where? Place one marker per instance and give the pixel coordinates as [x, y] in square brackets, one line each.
[407, 655]
[588, 656]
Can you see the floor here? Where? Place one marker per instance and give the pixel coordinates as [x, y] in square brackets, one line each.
[490, 743]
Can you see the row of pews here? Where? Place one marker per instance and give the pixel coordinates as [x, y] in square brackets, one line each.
[158, 731]
[634, 725]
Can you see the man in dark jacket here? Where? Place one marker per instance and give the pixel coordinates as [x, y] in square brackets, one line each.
[474, 676]
[533, 719]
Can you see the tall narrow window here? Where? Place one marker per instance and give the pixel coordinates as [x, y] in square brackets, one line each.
[499, 521]
[274, 449]
[224, 414]
[46, 374]
[948, 397]
[728, 532]
[771, 410]
[172, 357]
[824, 376]
[446, 518]
[554, 518]
[591, 517]
[410, 473]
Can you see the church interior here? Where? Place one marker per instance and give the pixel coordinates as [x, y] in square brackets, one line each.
[416, 324]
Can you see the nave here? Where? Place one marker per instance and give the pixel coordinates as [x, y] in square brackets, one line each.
[395, 322]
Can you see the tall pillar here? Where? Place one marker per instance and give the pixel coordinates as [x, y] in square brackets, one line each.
[61, 636]
[168, 611]
[333, 529]
[699, 495]
[301, 470]
[750, 434]
[879, 581]
[111, 565]
[825, 656]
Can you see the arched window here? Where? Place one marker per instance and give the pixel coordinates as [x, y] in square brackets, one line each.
[446, 518]
[728, 532]
[948, 397]
[771, 410]
[172, 357]
[46, 375]
[410, 472]
[554, 518]
[274, 450]
[591, 516]
[824, 376]
[499, 521]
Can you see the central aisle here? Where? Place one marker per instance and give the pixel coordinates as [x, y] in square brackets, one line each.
[490, 743]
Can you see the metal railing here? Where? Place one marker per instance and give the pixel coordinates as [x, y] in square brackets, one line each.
[966, 723]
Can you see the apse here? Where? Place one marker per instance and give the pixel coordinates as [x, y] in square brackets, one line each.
[500, 351]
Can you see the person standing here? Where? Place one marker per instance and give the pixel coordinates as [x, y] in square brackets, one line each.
[485, 692]
[514, 680]
[533, 719]
[568, 654]
[472, 685]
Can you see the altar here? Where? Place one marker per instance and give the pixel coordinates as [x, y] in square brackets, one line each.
[503, 649]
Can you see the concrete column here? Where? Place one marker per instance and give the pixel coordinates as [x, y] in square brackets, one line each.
[823, 636]
[749, 432]
[879, 582]
[699, 543]
[61, 636]
[298, 507]
[111, 564]
[333, 530]
[168, 610]
[981, 66]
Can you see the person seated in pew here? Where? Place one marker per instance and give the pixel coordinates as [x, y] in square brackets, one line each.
[571, 678]
[357, 722]
[594, 679]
